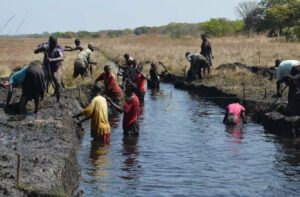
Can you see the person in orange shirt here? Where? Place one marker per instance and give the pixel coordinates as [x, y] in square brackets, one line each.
[112, 88]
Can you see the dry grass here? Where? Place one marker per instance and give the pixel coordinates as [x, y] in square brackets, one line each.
[258, 51]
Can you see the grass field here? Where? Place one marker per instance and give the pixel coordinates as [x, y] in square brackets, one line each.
[254, 51]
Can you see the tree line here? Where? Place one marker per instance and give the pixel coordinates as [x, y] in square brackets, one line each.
[272, 17]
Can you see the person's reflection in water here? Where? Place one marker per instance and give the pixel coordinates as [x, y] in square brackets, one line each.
[236, 133]
[100, 160]
[131, 165]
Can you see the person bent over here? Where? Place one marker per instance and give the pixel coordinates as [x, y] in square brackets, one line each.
[112, 88]
[235, 112]
[31, 79]
[97, 111]
[198, 63]
[130, 110]
[84, 62]
[284, 68]
[293, 82]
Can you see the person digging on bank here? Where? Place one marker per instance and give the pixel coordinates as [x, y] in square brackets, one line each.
[198, 63]
[112, 88]
[31, 79]
[293, 82]
[284, 68]
[52, 64]
[131, 110]
[84, 62]
[77, 46]
[235, 112]
[97, 111]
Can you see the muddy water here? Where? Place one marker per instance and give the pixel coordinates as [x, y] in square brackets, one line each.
[185, 150]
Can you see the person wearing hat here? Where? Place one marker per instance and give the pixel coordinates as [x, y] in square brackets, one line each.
[112, 88]
[206, 51]
[84, 62]
[52, 64]
[77, 46]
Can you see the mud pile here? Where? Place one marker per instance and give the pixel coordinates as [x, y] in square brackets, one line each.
[47, 143]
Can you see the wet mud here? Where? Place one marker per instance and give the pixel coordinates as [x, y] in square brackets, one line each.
[47, 143]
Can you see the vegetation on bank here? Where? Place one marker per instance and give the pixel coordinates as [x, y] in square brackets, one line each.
[272, 18]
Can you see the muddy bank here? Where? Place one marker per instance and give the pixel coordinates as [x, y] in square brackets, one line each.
[47, 143]
[267, 111]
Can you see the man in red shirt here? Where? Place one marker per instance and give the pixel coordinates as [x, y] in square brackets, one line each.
[131, 111]
[112, 88]
[140, 81]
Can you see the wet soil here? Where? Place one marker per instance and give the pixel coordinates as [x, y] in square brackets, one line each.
[47, 143]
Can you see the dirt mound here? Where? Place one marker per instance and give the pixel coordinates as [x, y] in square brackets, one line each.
[263, 71]
[47, 143]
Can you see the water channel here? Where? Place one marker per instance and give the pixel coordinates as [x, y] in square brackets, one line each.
[185, 150]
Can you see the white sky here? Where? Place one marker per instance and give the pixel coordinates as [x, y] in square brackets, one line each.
[94, 15]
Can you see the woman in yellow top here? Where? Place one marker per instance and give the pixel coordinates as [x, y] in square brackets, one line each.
[98, 113]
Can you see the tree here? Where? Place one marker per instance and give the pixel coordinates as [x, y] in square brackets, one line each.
[248, 11]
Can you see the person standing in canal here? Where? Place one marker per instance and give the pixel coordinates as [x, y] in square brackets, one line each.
[131, 110]
[206, 51]
[97, 111]
[235, 112]
[112, 88]
[52, 64]
[153, 83]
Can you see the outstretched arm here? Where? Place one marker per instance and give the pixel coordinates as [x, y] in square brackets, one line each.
[278, 87]
[118, 108]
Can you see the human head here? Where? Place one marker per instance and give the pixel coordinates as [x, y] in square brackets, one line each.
[277, 62]
[129, 89]
[126, 56]
[203, 36]
[77, 42]
[153, 66]
[107, 68]
[140, 67]
[91, 47]
[37, 63]
[134, 63]
[52, 41]
[187, 54]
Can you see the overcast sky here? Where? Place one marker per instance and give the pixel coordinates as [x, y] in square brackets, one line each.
[38, 16]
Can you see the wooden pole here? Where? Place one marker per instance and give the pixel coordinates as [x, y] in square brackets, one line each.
[244, 91]
[18, 169]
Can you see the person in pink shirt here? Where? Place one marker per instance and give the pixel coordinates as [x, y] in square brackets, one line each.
[235, 112]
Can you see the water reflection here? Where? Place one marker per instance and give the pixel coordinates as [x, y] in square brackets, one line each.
[99, 159]
[236, 133]
[130, 152]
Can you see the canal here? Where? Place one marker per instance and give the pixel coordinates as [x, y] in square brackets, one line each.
[185, 150]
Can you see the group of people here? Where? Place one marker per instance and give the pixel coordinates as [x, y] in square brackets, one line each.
[36, 78]
[200, 63]
[134, 82]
